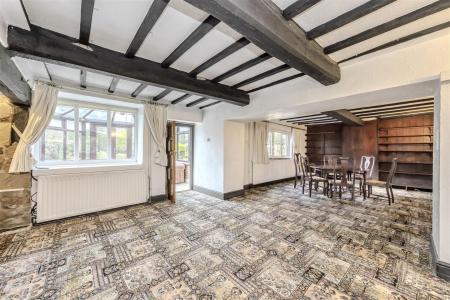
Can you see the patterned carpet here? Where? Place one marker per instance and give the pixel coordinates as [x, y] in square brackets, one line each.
[272, 243]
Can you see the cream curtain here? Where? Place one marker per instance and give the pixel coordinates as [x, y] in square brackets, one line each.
[299, 144]
[156, 116]
[260, 139]
[43, 104]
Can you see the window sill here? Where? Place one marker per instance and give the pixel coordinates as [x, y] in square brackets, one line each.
[89, 168]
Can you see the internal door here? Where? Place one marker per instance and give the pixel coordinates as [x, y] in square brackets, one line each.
[171, 166]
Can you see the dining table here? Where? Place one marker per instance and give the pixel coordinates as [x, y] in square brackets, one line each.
[324, 169]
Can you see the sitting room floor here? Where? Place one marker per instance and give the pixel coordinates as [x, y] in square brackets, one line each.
[272, 243]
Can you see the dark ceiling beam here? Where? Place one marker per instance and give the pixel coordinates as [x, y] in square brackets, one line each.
[391, 108]
[315, 115]
[209, 23]
[181, 98]
[345, 116]
[83, 75]
[289, 78]
[381, 112]
[47, 46]
[400, 40]
[242, 42]
[347, 17]
[325, 118]
[263, 75]
[298, 7]
[153, 14]
[11, 83]
[113, 85]
[210, 104]
[242, 67]
[392, 104]
[162, 94]
[138, 90]
[48, 72]
[400, 114]
[198, 101]
[262, 23]
[385, 27]
[87, 10]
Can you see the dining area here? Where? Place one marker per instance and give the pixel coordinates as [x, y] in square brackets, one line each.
[337, 175]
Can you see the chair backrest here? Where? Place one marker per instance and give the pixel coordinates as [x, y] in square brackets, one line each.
[330, 160]
[297, 157]
[367, 164]
[304, 166]
[392, 171]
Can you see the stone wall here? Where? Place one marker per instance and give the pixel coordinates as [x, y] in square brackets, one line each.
[15, 199]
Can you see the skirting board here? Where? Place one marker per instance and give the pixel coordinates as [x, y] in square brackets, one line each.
[158, 198]
[442, 269]
[223, 196]
[249, 186]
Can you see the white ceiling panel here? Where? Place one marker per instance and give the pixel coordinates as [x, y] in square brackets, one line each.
[237, 58]
[253, 71]
[64, 75]
[212, 43]
[172, 28]
[413, 27]
[98, 80]
[270, 79]
[282, 4]
[383, 15]
[58, 15]
[115, 23]
[325, 11]
[12, 13]
[31, 69]
[151, 91]
[126, 87]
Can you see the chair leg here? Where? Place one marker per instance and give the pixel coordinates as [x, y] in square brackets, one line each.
[303, 187]
[392, 194]
[388, 194]
[310, 188]
[340, 192]
[295, 182]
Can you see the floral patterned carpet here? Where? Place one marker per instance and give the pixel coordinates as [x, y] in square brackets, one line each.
[272, 243]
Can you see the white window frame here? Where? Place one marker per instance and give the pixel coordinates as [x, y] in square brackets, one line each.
[137, 110]
[288, 146]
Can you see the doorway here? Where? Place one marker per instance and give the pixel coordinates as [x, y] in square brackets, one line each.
[184, 134]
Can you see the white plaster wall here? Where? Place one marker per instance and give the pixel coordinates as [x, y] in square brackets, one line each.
[183, 114]
[234, 156]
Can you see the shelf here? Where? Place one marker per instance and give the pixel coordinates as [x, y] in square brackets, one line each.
[405, 163]
[407, 173]
[426, 151]
[410, 143]
[415, 135]
[319, 133]
[418, 126]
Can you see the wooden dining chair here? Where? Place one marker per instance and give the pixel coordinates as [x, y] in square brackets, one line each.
[341, 182]
[366, 167]
[386, 184]
[298, 172]
[312, 178]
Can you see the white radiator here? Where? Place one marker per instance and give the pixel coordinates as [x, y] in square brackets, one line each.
[66, 195]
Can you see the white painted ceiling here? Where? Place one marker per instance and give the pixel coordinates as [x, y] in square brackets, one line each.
[115, 23]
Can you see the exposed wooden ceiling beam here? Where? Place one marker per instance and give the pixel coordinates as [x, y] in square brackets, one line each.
[369, 111]
[242, 42]
[83, 75]
[324, 118]
[138, 90]
[298, 7]
[48, 72]
[289, 78]
[153, 14]
[181, 98]
[162, 94]
[210, 104]
[345, 116]
[293, 118]
[209, 23]
[392, 104]
[11, 83]
[262, 23]
[347, 17]
[242, 67]
[400, 40]
[385, 27]
[113, 85]
[262, 75]
[198, 101]
[87, 10]
[45, 45]
[394, 111]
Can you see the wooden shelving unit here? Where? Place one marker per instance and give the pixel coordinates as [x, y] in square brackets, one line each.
[323, 140]
[410, 139]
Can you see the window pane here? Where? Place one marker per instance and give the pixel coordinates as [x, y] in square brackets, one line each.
[122, 135]
[183, 143]
[58, 141]
[93, 134]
